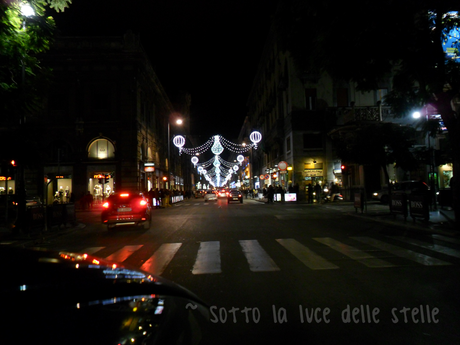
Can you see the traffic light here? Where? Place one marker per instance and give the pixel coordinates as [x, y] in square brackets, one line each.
[344, 170]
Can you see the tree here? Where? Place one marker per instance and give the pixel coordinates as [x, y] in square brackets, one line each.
[23, 38]
[401, 42]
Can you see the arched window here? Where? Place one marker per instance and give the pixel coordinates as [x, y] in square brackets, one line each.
[101, 149]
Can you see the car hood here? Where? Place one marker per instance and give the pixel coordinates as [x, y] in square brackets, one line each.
[60, 297]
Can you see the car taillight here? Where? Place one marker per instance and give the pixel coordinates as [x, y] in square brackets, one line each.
[105, 205]
[143, 203]
[124, 195]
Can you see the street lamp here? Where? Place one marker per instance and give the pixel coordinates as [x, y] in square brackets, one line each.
[177, 122]
[431, 173]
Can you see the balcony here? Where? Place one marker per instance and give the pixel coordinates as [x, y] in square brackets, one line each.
[358, 114]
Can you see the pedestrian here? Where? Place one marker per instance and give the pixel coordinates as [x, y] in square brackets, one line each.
[156, 197]
[270, 194]
[310, 193]
[89, 199]
[318, 192]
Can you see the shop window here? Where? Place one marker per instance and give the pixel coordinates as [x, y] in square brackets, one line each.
[101, 149]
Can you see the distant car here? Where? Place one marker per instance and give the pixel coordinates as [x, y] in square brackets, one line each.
[210, 195]
[126, 208]
[222, 193]
[199, 194]
[406, 187]
[235, 195]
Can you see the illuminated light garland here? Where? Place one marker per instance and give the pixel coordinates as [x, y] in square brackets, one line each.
[218, 168]
[218, 143]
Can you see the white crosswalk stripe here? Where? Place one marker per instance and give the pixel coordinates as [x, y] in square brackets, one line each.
[92, 250]
[208, 257]
[404, 253]
[123, 253]
[308, 257]
[431, 246]
[161, 258]
[258, 259]
[354, 253]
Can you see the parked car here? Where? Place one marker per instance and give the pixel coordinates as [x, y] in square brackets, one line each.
[126, 208]
[68, 298]
[406, 187]
[235, 195]
[209, 196]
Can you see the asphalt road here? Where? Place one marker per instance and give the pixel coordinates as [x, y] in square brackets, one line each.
[298, 274]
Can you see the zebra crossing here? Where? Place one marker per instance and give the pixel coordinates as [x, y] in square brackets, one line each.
[322, 253]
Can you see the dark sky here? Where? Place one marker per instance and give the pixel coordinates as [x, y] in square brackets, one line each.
[209, 48]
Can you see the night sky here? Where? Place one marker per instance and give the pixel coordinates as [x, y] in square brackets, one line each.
[209, 48]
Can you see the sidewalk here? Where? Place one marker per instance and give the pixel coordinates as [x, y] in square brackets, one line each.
[441, 221]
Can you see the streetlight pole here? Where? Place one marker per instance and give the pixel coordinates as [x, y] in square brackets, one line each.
[178, 122]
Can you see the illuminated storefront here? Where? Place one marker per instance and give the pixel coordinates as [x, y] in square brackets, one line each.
[7, 185]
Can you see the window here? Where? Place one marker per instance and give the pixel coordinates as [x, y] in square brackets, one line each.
[342, 97]
[101, 149]
[310, 98]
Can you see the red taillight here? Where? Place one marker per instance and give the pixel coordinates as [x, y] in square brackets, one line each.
[124, 195]
[143, 203]
[105, 205]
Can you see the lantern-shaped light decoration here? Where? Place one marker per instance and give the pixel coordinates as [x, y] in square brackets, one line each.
[240, 159]
[217, 147]
[255, 137]
[235, 168]
[194, 161]
[179, 141]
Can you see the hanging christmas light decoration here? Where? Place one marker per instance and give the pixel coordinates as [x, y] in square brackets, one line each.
[218, 143]
[217, 148]
[218, 171]
[179, 141]
[255, 137]
[195, 160]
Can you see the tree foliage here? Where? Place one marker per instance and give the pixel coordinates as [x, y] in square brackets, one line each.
[22, 40]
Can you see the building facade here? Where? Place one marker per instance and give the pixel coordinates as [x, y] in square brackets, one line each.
[105, 123]
[295, 112]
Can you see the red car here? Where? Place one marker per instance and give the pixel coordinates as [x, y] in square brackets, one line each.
[127, 208]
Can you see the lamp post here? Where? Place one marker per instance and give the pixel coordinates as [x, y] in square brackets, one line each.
[431, 172]
[26, 11]
[178, 122]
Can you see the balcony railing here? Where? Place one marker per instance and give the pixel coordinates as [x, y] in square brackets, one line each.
[376, 113]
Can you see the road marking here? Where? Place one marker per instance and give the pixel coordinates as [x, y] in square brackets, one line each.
[431, 246]
[208, 258]
[354, 253]
[258, 259]
[446, 239]
[123, 253]
[92, 250]
[308, 257]
[161, 258]
[401, 252]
